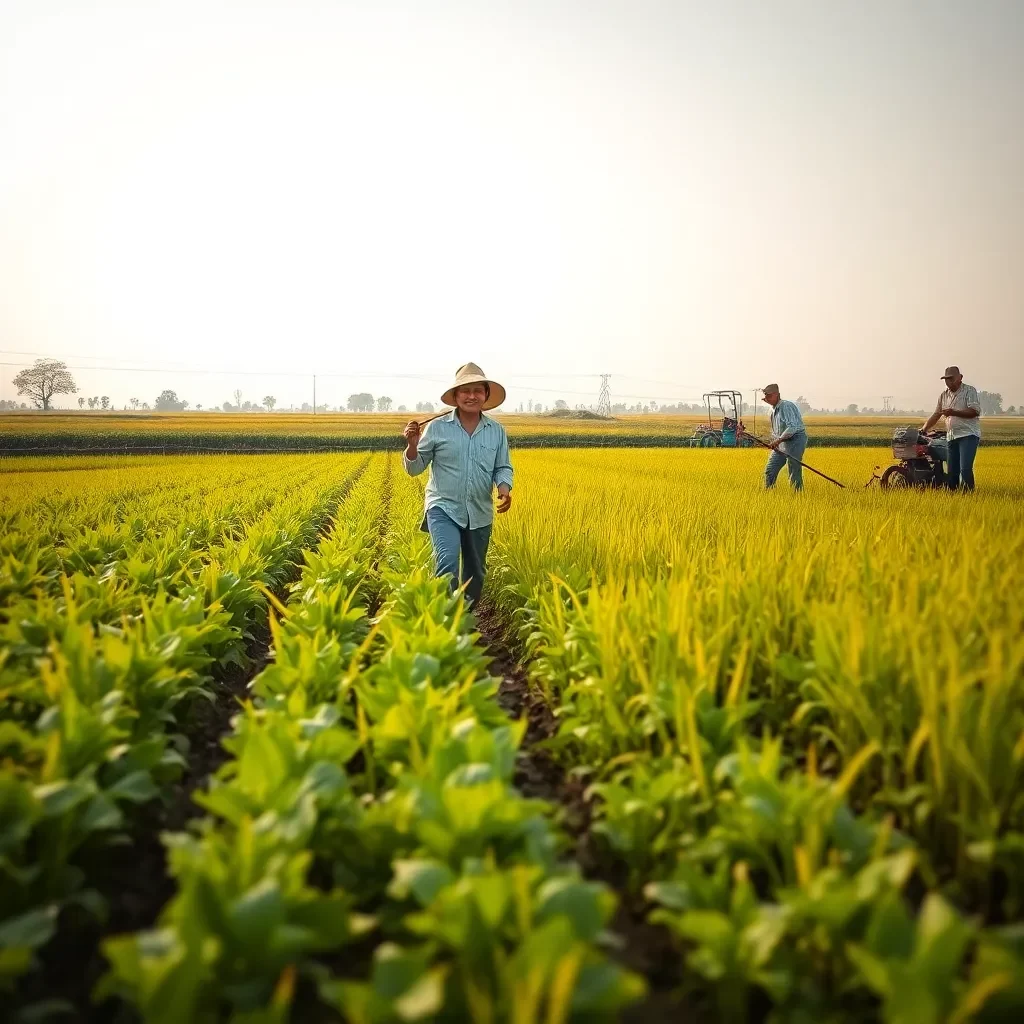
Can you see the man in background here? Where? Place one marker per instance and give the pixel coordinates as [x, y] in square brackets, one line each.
[468, 457]
[960, 405]
[788, 439]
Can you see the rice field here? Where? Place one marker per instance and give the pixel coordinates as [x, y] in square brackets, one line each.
[706, 753]
[23, 433]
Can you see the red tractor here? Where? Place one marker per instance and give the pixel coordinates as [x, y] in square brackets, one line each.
[922, 457]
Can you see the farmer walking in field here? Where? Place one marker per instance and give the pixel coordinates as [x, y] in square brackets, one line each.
[960, 405]
[788, 439]
[468, 455]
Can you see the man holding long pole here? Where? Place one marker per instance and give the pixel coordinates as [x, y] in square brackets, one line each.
[468, 455]
[788, 439]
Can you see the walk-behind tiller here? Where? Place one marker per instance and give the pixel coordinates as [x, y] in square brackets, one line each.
[922, 455]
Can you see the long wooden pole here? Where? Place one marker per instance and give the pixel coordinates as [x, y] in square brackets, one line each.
[763, 444]
[437, 415]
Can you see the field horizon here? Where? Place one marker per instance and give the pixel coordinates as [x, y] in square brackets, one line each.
[57, 431]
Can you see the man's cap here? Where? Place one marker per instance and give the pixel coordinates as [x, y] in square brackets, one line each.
[951, 371]
[769, 389]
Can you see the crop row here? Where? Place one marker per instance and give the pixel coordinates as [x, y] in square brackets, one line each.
[813, 786]
[364, 849]
[171, 441]
[110, 629]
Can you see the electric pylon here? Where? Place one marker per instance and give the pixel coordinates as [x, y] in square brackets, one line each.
[604, 396]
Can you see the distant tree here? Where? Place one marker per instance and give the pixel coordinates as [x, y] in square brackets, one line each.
[134, 402]
[991, 403]
[803, 405]
[238, 398]
[269, 401]
[44, 379]
[1012, 411]
[167, 401]
[852, 409]
[424, 406]
[401, 408]
[92, 403]
[199, 406]
[306, 407]
[363, 402]
[105, 402]
[248, 406]
[383, 404]
[561, 404]
[81, 403]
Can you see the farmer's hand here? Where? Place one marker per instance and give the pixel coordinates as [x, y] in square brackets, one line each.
[775, 445]
[504, 498]
[412, 434]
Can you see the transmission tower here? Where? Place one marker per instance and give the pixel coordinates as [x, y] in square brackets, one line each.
[887, 403]
[604, 396]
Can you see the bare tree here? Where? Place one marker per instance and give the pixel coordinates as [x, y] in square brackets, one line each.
[269, 401]
[238, 398]
[134, 403]
[44, 379]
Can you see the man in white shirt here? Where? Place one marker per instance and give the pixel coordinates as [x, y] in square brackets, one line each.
[960, 405]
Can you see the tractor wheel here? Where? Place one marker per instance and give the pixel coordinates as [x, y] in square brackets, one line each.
[896, 478]
[710, 441]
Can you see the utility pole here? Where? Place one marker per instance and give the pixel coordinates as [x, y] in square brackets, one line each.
[314, 394]
[755, 410]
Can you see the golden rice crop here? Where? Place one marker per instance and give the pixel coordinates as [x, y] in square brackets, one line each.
[860, 617]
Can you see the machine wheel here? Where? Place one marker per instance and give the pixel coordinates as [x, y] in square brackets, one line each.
[895, 477]
[710, 441]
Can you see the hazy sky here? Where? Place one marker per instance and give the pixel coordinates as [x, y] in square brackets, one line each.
[685, 195]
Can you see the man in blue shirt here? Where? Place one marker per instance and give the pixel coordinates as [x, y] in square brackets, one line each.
[468, 455]
[788, 440]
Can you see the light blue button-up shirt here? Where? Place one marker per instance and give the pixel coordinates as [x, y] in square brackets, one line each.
[786, 420]
[465, 468]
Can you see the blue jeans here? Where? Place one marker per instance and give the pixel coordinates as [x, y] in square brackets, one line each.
[449, 540]
[795, 447]
[960, 467]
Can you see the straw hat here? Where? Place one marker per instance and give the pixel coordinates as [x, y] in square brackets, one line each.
[470, 373]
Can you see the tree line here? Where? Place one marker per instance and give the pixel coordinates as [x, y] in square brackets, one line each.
[47, 378]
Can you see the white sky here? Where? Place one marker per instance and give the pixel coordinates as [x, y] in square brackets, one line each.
[696, 195]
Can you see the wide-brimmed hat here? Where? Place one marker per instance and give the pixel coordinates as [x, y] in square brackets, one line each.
[770, 389]
[470, 373]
